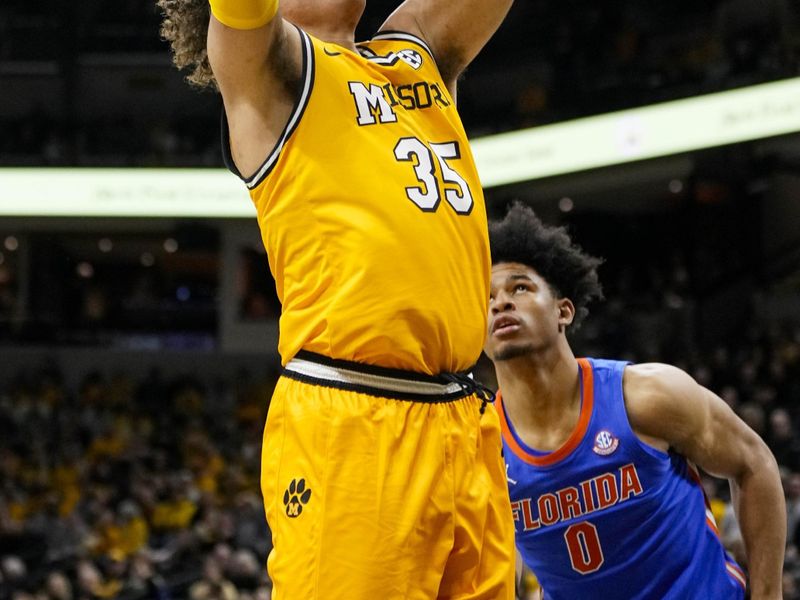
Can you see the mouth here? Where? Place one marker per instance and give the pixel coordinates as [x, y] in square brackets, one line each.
[504, 326]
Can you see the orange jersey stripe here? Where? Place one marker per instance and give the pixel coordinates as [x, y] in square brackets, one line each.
[737, 574]
[575, 437]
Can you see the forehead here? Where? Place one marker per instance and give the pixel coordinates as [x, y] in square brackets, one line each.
[510, 271]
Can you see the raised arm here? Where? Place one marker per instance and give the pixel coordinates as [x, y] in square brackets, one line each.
[455, 31]
[256, 59]
[665, 404]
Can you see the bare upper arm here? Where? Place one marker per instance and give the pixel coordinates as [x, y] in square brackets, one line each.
[664, 403]
[256, 71]
[455, 31]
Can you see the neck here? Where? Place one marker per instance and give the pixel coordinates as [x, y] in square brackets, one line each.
[541, 390]
[340, 37]
[331, 21]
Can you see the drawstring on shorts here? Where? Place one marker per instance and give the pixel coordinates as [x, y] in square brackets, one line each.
[471, 386]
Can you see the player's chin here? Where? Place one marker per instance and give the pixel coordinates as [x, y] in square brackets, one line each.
[508, 350]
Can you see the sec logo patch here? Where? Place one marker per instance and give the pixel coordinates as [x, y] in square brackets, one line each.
[605, 443]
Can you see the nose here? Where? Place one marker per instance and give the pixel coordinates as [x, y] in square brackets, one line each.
[502, 302]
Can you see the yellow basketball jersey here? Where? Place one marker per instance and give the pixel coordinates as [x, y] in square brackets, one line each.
[372, 213]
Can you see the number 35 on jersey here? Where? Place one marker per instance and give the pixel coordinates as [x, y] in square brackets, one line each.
[427, 194]
[436, 176]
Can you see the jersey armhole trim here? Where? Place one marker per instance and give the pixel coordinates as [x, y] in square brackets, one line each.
[389, 34]
[711, 523]
[308, 71]
[297, 113]
[227, 156]
[736, 573]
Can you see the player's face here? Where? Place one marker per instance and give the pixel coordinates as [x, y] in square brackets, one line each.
[523, 313]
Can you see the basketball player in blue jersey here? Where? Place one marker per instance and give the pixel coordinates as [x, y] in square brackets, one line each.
[601, 455]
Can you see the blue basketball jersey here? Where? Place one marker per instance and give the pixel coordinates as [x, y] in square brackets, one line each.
[608, 516]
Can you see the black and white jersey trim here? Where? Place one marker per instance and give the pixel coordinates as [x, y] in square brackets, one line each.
[297, 112]
[406, 37]
[387, 61]
[377, 381]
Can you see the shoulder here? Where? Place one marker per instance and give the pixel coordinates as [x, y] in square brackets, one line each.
[659, 400]
[654, 381]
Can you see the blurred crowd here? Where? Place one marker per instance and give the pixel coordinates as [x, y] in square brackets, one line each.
[150, 489]
[550, 62]
[578, 58]
[758, 375]
[131, 489]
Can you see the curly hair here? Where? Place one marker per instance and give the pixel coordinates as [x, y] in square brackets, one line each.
[521, 237]
[185, 27]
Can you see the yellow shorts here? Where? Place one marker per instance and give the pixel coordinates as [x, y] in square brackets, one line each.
[379, 498]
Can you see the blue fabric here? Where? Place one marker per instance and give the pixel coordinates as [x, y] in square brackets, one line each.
[635, 518]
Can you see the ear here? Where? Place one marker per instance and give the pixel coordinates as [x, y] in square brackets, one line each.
[566, 312]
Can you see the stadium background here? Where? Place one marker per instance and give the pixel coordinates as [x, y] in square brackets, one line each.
[137, 355]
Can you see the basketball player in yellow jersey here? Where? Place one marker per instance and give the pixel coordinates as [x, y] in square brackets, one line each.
[381, 471]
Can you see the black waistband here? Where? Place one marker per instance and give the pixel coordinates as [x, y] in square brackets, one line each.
[383, 382]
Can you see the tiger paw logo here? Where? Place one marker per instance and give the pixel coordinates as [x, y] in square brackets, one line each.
[295, 497]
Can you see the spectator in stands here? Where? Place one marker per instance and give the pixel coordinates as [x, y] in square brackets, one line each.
[214, 585]
[244, 571]
[756, 36]
[792, 488]
[783, 439]
[92, 585]
[58, 586]
[13, 570]
[144, 581]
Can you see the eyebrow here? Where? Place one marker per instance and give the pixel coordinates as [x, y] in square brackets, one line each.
[512, 279]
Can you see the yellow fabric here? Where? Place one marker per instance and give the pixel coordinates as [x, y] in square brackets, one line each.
[134, 536]
[107, 540]
[108, 445]
[407, 500]
[529, 581]
[67, 484]
[718, 508]
[208, 478]
[18, 511]
[120, 541]
[175, 514]
[244, 14]
[362, 272]
[108, 589]
[68, 500]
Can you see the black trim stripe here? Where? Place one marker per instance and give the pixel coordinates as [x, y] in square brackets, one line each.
[227, 156]
[387, 60]
[297, 113]
[404, 37]
[373, 391]
[369, 369]
[316, 369]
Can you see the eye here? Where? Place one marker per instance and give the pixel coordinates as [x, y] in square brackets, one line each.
[520, 287]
